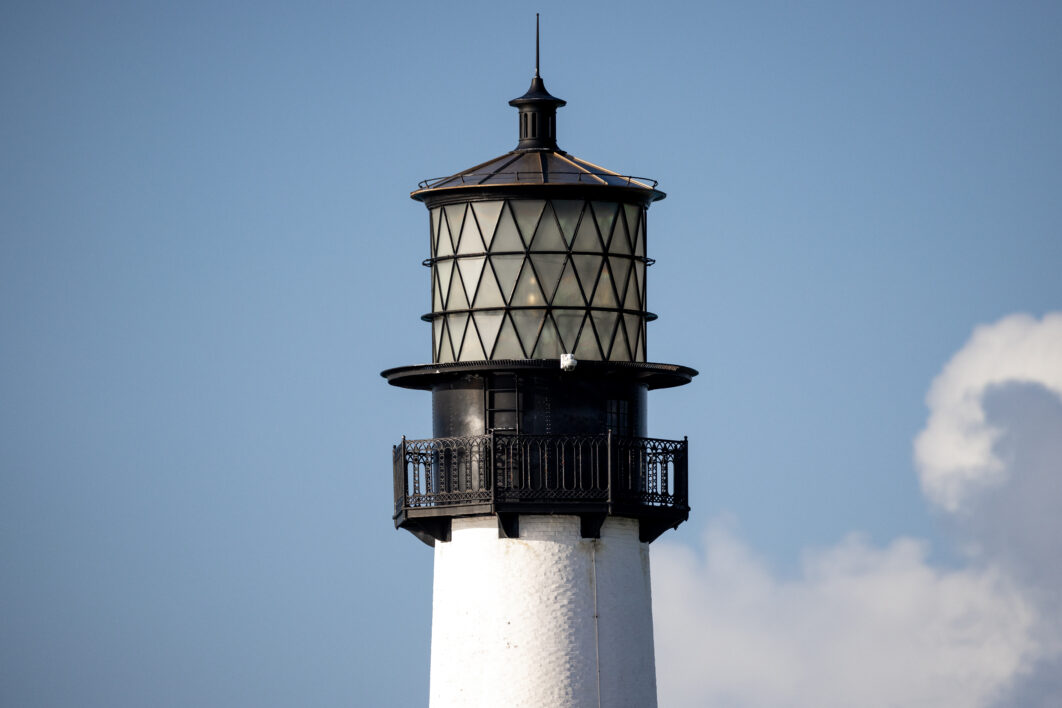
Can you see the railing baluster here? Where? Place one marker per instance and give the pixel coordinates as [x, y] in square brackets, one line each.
[664, 477]
[451, 464]
[682, 474]
[416, 475]
[492, 470]
[608, 469]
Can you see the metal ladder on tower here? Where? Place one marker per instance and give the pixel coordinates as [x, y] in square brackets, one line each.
[502, 420]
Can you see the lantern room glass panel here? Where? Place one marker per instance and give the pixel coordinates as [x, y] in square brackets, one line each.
[539, 278]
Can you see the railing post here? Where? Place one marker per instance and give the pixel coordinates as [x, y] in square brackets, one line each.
[401, 481]
[608, 467]
[682, 476]
[404, 460]
[394, 473]
[491, 470]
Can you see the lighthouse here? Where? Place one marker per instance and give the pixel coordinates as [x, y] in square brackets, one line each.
[540, 489]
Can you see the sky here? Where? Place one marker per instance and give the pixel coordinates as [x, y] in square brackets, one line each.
[208, 254]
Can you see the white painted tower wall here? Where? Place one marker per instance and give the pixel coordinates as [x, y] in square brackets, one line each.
[549, 619]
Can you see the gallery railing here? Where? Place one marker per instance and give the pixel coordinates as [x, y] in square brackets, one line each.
[542, 470]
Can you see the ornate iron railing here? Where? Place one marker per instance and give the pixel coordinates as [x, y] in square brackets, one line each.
[552, 470]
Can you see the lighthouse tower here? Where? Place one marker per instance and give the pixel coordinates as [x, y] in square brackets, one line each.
[540, 490]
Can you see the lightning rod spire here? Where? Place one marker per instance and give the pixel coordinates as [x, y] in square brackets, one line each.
[536, 44]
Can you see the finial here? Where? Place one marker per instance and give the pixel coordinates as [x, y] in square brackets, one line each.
[536, 44]
[538, 111]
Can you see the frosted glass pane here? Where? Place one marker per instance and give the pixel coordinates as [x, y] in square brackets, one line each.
[568, 292]
[527, 293]
[507, 268]
[621, 271]
[455, 216]
[643, 345]
[621, 351]
[527, 212]
[548, 237]
[633, 299]
[568, 323]
[445, 247]
[456, 325]
[527, 325]
[436, 291]
[587, 267]
[436, 336]
[470, 270]
[605, 324]
[434, 218]
[634, 332]
[548, 346]
[634, 220]
[446, 354]
[487, 214]
[638, 235]
[488, 324]
[568, 211]
[488, 295]
[604, 295]
[587, 348]
[506, 237]
[621, 242]
[605, 213]
[639, 271]
[444, 269]
[457, 299]
[470, 242]
[508, 345]
[472, 350]
[548, 266]
[586, 238]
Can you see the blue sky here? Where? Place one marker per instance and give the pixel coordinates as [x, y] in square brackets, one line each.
[208, 253]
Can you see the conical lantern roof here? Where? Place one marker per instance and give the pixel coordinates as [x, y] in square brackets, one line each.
[537, 160]
[521, 167]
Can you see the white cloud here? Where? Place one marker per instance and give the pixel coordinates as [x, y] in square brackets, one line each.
[860, 627]
[955, 452]
[871, 626]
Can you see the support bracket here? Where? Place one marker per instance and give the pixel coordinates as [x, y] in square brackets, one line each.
[590, 525]
[508, 525]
